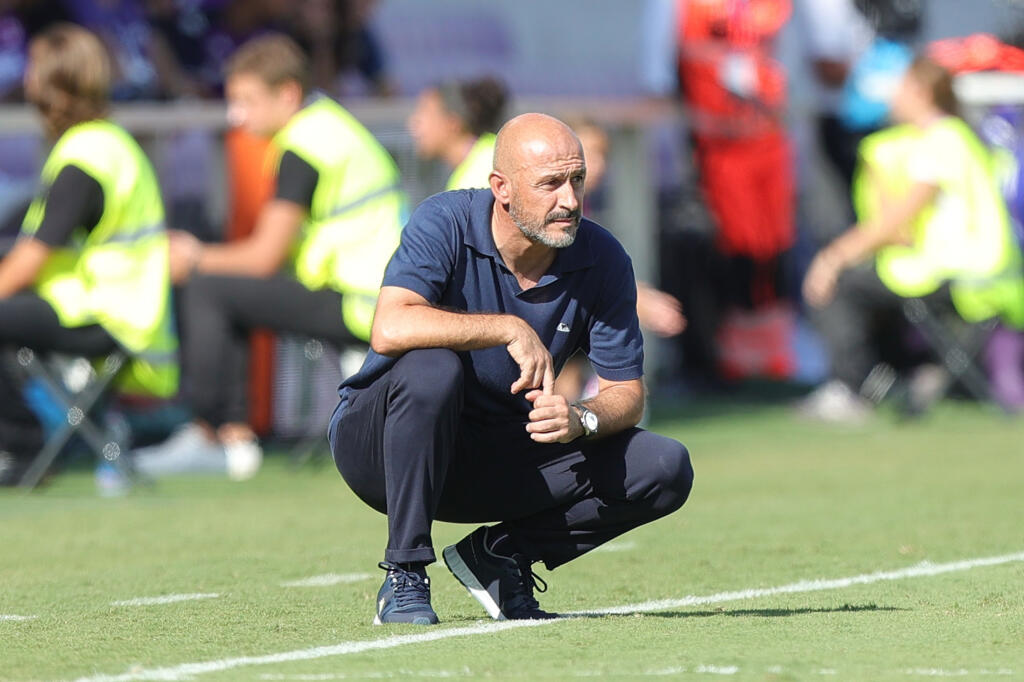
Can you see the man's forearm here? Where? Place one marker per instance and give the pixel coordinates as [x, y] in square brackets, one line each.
[262, 253]
[618, 407]
[20, 268]
[425, 326]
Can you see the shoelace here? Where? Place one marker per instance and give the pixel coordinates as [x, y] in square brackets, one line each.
[526, 582]
[408, 587]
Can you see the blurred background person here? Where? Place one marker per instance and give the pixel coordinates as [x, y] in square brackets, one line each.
[834, 35]
[456, 122]
[734, 91]
[312, 266]
[931, 215]
[727, 261]
[89, 273]
[658, 312]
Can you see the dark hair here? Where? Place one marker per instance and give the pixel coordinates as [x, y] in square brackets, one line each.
[72, 70]
[938, 81]
[480, 103]
[273, 58]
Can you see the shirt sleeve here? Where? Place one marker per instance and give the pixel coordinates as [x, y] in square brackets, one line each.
[296, 180]
[74, 200]
[426, 256]
[616, 345]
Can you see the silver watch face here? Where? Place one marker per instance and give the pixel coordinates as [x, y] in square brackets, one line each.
[590, 421]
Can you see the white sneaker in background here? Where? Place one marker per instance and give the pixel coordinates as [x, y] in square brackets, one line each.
[244, 459]
[835, 403]
[188, 451]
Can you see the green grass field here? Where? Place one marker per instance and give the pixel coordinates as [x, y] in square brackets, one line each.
[776, 502]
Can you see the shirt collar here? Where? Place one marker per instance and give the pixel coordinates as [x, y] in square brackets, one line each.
[578, 256]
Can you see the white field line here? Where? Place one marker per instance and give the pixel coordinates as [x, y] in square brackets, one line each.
[13, 617]
[923, 569]
[616, 547]
[189, 670]
[165, 599]
[405, 674]
[961, 672]
[400, 674]
[327, 580]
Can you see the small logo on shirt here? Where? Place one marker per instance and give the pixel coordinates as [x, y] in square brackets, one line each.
[563, 327]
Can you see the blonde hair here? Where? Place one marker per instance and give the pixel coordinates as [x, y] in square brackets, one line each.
[274, 58]
[72, 73]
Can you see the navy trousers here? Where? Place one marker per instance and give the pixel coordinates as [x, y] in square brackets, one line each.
[405, 448]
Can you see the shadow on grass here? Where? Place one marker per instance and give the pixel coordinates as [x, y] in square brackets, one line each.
[742, 613]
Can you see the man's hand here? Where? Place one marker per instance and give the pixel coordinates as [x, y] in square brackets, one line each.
[660, 312]
[185, 250]
[820, 281]
[552, 419]
[536, 369]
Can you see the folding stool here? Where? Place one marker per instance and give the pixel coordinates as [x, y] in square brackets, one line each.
[75, 402]
[958, 351]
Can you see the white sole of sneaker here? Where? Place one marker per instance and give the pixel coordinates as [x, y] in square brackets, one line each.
[465, 576]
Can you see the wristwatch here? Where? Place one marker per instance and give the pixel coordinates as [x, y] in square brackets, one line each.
[588, 419]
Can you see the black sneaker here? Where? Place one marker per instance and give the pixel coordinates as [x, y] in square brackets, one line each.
[503, 585]
[404, 598]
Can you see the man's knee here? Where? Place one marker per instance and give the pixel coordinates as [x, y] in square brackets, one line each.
[429, 375]
[673, 472]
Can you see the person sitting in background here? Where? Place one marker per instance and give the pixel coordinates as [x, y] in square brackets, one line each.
[312, 266]
[456, 122]
[657, 311]
[930, 214]
[89, 273]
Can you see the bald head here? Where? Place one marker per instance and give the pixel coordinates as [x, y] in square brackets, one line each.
[532, 139]
[538, 178]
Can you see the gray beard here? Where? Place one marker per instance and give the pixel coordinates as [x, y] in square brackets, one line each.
[537, 234]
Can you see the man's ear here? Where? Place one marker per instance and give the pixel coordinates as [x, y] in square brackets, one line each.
[501, 187]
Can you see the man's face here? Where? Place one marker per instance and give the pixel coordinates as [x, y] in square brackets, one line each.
[432, 127]
[547, 194]
[259, 108]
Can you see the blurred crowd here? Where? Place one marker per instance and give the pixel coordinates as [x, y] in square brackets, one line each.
[746, 286]
[171, 49]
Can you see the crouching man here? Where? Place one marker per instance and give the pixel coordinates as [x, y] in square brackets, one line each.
[453, 417]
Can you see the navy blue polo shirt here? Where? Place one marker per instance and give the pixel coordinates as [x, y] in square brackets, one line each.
[586, 301]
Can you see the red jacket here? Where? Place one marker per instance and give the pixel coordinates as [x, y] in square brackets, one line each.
[729, 80]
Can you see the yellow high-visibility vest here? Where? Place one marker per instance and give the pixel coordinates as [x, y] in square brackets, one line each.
[357, 211]
[965, 238]
[116, 275]
[475, 170]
